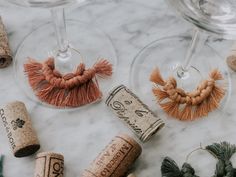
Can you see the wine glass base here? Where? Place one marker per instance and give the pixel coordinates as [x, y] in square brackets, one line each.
[185, 78]
[168, 54]
[92, 44]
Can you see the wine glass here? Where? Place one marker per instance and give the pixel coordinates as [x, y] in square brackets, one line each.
[188, 59]
[68, 42]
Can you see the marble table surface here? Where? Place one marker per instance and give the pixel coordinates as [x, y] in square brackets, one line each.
[81, 134]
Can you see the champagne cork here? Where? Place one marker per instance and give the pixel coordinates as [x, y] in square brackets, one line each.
[134, 113]
[49, 164]
[5, 51]
[21, 135]
[116, 159]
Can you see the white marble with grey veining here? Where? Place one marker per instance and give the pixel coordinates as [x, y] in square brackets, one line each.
[80, 135]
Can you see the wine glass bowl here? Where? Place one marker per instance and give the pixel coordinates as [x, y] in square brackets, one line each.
[188, 60]
[70, 44]
[81, 41]
[44, 3]
[168, 55]
[215, 16]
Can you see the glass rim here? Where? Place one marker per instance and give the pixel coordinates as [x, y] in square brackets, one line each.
[58, 4]
[220, 28]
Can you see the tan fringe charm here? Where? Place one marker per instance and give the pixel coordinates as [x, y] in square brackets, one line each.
[184, 105]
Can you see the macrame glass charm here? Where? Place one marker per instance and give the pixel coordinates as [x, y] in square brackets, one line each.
[69, 90]
[221, 151]
[63, 81]
[183, 105]
[189, 58]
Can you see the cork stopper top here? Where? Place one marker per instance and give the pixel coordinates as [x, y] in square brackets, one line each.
[131, 175]
[5, 51]
[14, 103]
[28, 150]
[231, 61]
[153, 132]
[51, 154]
[113, 92]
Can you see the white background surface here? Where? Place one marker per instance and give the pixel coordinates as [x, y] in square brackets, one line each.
[80, 135]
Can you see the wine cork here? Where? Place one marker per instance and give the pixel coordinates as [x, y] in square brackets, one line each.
[5, 51]
[49, 164]
[231, 59]
[21, 135]
[134, 113]
[116, 159]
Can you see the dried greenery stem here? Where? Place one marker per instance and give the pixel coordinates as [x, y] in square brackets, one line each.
[188, 156]
[200, 148]
[1, 166]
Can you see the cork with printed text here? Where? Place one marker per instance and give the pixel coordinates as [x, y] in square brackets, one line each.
[116, 159]
[17, 123]
[134, 113]
[49, 164]
[5, 51]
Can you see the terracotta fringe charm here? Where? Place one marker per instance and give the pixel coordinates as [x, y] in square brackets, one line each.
[70, 90]
[188, 105]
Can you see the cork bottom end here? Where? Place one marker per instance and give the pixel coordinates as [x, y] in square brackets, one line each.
[5, 60]
[151, 133]
[2, 61]
[231, 61]
[27, 151]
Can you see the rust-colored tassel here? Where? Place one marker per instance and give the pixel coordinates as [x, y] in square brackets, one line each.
[103, 68]
[188, 105]
[201, 110]
[216, 75]
[187, 113]
[171, 108]
[156, 77]
[70, 90]
[160, 94]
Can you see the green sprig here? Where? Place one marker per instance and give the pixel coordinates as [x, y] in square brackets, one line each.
[224, 168]
[223, 151]
[169, 168]
[1, 166]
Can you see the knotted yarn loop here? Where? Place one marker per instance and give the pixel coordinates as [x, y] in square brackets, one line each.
[70, 80]
[184, 105]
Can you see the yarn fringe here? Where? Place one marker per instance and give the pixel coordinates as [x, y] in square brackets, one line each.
[188, 105]
[156, 77]
[70, 90]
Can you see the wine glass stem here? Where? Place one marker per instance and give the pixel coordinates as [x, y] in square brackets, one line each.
[184, 68]
[58, 17]
[62, 55]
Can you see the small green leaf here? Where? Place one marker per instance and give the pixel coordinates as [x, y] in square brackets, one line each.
[169, 168]
[220, 168]
[223, 151]
[187, 168]
[1, 166]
